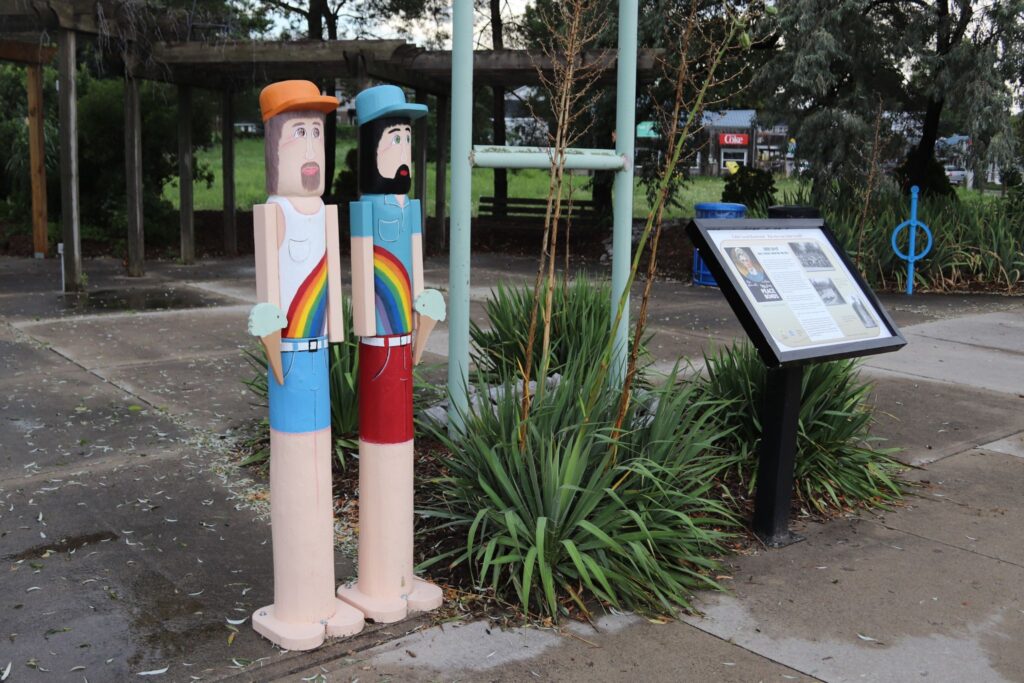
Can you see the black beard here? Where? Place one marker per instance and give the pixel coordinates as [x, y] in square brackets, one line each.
[400, 184]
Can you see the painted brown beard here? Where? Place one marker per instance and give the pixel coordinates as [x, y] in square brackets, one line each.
[310, 182]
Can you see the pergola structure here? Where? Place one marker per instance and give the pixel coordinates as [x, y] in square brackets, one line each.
[226, 66]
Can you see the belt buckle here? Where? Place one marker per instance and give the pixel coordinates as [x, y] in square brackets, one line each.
[313, 345]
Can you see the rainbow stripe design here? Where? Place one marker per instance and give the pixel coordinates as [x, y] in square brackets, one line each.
[393, 293]
[307, 314]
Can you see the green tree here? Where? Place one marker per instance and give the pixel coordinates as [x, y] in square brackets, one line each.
[837, 61]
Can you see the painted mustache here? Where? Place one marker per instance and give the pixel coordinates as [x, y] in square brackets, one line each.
[310, 176]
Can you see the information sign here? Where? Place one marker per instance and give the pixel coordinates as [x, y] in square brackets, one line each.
[794, 290]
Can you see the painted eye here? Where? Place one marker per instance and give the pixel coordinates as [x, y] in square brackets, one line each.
[300, 132]
[396, 140]
[316, 132]
[408, 139]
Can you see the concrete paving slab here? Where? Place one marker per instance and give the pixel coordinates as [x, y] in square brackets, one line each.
[21, 359]
[207, 393]
[932, 420]
[130, 570]
[20, 275]
[71, 418]
[860, 602]
[124, 339]
[921, 308]
[622, 648]
[955, 363]
[1003, 331]
[1011, 445]
[971, 501]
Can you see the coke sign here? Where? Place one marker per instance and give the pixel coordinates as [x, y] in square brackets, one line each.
[733, 139]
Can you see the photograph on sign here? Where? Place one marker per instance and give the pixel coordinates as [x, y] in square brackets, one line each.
[799, 287]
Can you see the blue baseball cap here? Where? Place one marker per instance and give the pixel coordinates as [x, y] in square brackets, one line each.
[385, 100]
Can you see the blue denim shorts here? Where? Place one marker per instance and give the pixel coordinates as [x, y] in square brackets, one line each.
[303, 403]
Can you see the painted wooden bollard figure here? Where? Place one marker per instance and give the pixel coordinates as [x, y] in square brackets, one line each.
[387, 284]
[298, 285]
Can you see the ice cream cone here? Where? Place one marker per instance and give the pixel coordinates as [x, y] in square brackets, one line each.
[426, 326]
[272, 344]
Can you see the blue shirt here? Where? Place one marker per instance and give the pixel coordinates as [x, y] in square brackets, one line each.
[391, 226]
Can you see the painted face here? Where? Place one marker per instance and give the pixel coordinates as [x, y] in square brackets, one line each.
[301, 158]
[394, 152]
[742, 259]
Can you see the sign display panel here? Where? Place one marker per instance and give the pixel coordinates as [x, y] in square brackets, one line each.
[741, 139]
[790, 283]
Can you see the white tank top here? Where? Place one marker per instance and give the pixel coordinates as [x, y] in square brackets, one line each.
[304, 247]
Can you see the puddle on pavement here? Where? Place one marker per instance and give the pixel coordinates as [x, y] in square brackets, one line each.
[140, 299]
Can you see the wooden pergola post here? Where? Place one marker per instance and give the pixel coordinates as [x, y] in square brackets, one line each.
[227, 129]
[37, 159]
[419, 161]
[69, 161]
[133, 175]
[440, 184]
[188, 237]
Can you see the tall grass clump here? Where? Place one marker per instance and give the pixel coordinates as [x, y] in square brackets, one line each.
[837, 461]
[584, 511]
[579, 313]
[978, 243]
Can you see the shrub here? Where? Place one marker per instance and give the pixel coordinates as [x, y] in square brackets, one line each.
[580, 512]
[750, 186]
[836, 462]
[580, 326]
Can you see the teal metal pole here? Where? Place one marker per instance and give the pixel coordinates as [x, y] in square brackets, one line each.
[489, 156]
[459, 249]
[622, 191]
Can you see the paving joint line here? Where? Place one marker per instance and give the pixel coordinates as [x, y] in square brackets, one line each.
[730, 641]
[967, 343]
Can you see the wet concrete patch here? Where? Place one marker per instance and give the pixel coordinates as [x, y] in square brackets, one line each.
[858, 601]
[130, 570]
[1011, 445]
[138, 299]
[72, 418]
[931, 420]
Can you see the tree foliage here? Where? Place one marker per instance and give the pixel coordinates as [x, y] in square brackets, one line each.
[836, 62]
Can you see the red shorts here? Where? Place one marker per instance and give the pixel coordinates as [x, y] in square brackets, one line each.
[385, 392]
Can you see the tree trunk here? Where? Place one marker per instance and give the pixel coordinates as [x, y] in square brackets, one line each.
[498, 111]
[331, 123]
[924, 153]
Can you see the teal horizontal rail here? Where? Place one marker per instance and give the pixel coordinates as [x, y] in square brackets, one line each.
[491, 156]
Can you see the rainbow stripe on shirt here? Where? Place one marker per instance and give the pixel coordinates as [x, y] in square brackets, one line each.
[307, 314]
[392, 292]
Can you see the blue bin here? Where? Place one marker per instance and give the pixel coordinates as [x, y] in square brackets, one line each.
[701, 275]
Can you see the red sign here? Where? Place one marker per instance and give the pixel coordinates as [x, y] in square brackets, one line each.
[733, 139]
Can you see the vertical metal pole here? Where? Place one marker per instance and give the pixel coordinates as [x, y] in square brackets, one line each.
[133, 175]
[622, 190]
[227, 135]
[459, 256]
[37, 159]
[185, 207]
[72, 259]
[780, 415]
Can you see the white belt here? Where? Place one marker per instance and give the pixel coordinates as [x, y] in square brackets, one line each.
[404, 340]
[304, 345]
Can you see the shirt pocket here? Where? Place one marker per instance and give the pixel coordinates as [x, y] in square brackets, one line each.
[387, 230]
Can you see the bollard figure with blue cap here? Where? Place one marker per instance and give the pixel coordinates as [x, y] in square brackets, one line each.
[389, 307]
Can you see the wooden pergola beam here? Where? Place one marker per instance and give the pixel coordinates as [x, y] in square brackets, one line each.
[24, 52]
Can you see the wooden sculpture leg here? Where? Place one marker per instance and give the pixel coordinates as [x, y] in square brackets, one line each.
[387, 589]
[305, 610]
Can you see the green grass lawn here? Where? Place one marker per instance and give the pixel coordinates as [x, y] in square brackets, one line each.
[529, 183]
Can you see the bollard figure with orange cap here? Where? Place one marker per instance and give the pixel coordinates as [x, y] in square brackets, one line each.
[298, 286]
[389, 303]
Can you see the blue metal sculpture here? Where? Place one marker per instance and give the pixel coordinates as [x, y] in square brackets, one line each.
[911, 254]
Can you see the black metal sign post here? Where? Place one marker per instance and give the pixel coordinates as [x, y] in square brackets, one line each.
[780, 416]
[800, 301]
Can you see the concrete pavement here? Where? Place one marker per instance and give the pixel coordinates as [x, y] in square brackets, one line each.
[131, 544]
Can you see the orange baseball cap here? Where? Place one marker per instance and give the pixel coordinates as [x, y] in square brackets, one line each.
[284, 96]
